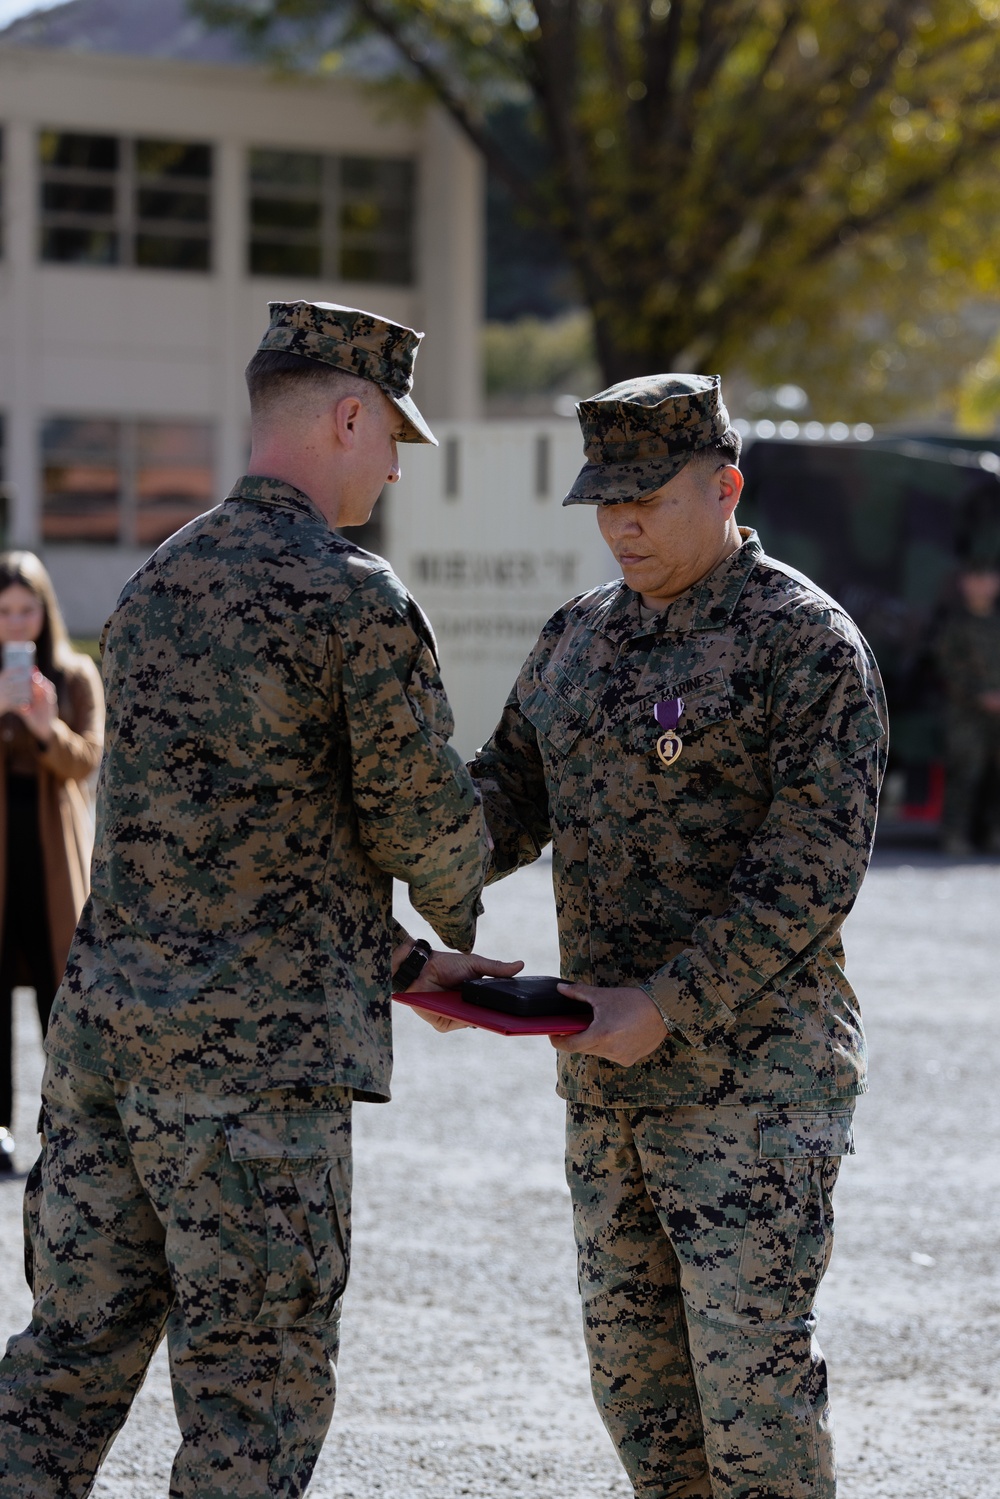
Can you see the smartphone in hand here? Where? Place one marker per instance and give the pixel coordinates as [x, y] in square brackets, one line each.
[19, 659]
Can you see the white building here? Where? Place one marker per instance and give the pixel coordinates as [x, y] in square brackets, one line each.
[151, 207]
[150, 210]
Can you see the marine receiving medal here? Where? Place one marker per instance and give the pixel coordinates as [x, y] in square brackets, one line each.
[710, 1102]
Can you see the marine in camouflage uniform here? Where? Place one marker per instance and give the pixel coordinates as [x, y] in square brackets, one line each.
[716, 887]
[276, 752]
[967, 653]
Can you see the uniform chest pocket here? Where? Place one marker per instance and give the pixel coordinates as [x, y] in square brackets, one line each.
[558, 709]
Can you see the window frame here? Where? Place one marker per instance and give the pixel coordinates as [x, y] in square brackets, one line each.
[128, 463]
[125, 225]
[332, 238]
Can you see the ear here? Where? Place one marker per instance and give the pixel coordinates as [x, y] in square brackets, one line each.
[346, 415]
[730, 482]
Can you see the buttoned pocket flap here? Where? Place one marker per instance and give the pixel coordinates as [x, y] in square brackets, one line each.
[289, 1137]
[557, 709]
[284, 1230]
[788, 1136]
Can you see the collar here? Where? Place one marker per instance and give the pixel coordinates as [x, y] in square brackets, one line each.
[264, 491]
[707, 605]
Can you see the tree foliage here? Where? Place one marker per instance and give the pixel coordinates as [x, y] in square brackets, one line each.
[721, 173]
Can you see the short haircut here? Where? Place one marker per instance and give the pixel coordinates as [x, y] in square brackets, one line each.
[273, 376]
[725, 449]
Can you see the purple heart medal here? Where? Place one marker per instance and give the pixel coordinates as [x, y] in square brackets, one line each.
[668, 716]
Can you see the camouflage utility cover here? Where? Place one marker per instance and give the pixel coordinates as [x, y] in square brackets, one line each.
[276, 752]
[357, 342]
[639, 434]
[718, 883]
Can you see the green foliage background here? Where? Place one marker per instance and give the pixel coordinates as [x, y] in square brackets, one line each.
[788, 189]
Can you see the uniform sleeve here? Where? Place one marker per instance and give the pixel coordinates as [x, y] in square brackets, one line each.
[801, 872]
[509, 773]
[74, 751]
[418, 812]
[398, 933]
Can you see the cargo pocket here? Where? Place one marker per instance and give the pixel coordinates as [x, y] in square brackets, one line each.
[285, 1219]
[788, 1235]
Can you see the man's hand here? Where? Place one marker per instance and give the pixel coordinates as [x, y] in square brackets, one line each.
[447, 970]
[626, 1027]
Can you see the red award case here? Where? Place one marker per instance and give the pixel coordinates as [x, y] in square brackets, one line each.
[516, 1006]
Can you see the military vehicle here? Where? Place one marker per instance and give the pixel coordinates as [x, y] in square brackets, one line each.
[883, 525]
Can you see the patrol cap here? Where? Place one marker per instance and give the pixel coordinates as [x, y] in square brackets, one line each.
[360, 343]
[641, 432]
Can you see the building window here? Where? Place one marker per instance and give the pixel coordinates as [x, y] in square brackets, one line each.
[134, 482]
[342, 218]
[174, 477]
[81, 467]
[111, 200]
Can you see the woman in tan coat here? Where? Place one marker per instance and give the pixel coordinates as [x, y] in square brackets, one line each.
[51, 729]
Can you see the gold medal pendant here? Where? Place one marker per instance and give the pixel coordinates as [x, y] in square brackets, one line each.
[669, 746]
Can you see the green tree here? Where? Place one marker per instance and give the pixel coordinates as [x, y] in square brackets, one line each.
[722, 174]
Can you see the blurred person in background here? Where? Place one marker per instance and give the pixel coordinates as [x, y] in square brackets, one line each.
[967, 653]
[51, 731]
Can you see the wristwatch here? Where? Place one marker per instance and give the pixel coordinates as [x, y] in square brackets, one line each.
[412, 965]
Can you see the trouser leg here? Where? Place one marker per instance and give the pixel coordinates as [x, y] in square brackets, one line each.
[237, 1211]
[259, 1245]
[743, 1203]
[26, 916]
[254, 1407]
[967, 756]
[101, 1293]
[6, 1049]
[764, 1394]
[745, 1199]
[991, 789]
[633, 1316]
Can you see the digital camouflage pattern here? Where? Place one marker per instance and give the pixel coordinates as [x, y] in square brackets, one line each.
[701, 1175]
[703, 1235]
[640, 433]
[967, 655]
[720, 883]
[252, 1195]
[357, 342]
[276, 752]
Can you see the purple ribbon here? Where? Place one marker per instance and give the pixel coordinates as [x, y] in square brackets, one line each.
[668, 714]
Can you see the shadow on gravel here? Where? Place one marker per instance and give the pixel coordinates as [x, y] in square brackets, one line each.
[891, 853]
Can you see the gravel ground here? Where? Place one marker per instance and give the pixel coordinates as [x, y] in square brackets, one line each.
[463, 1368]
